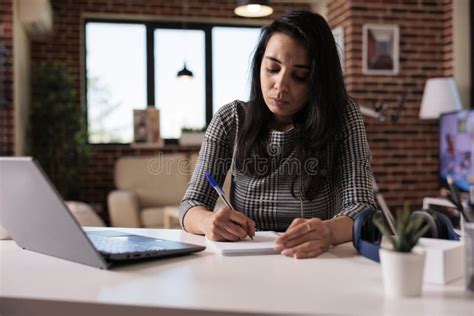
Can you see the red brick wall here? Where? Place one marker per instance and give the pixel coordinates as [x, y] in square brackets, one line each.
[6, 79]
[405, 153]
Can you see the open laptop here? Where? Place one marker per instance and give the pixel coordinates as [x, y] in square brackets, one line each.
[34, 214]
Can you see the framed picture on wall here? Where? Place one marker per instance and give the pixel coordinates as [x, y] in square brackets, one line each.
[338, 34]
[380, 49]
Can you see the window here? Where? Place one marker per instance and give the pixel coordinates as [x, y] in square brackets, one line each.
[116, 79]
[130, 65]
[232, 52]
[182, 103]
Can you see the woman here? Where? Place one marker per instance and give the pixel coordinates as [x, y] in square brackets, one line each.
[299, 154]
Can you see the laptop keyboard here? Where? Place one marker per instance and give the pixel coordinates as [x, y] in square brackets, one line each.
[111, 245]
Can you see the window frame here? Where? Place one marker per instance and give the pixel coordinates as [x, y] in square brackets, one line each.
[151, 26]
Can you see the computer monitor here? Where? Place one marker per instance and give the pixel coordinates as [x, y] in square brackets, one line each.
[456, 148]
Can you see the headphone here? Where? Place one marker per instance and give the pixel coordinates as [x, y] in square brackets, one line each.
[367, 238]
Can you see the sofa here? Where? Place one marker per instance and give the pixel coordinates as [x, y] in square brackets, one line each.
[149, 190]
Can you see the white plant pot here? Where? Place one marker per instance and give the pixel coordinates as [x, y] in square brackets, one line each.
[402, 272]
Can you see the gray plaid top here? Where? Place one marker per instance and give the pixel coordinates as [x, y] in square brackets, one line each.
[268, 200]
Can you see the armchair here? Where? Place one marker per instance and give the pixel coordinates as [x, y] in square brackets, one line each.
[149, 187]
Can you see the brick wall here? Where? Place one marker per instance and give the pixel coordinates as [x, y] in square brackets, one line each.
[6, 79]
[405, 153]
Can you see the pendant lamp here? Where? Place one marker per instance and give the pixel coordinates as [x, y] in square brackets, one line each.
[185, 73]
[253, 8]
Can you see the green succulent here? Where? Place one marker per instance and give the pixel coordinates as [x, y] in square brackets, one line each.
[407, 231]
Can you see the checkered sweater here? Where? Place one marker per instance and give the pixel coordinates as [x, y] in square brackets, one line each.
[268, 200]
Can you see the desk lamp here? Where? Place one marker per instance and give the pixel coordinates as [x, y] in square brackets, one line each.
[440, 96]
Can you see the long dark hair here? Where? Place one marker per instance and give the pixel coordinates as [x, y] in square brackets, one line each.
[317, 123]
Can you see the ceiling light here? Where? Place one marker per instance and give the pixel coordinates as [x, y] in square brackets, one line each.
[253, 9]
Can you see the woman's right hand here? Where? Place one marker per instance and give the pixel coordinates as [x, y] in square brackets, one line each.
[227, 225]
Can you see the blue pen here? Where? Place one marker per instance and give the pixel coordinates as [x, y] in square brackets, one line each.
[219, 191]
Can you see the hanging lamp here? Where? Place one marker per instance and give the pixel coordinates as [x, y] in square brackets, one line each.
[185, 73]
[253, 8]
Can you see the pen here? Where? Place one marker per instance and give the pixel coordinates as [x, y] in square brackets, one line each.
[456, 199]
[219, 191]
[385, 210]
[452, 200]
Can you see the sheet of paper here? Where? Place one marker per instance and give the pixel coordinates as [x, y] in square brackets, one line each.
[261, 245]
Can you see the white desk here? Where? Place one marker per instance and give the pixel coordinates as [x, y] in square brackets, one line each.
[338, 282]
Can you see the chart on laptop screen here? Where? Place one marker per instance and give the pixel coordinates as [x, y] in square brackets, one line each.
[456, 145]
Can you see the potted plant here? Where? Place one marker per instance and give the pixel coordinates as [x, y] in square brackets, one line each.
[402, 263]
[191, 136]
[57, 128]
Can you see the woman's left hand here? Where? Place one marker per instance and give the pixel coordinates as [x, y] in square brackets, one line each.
[304, 238]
